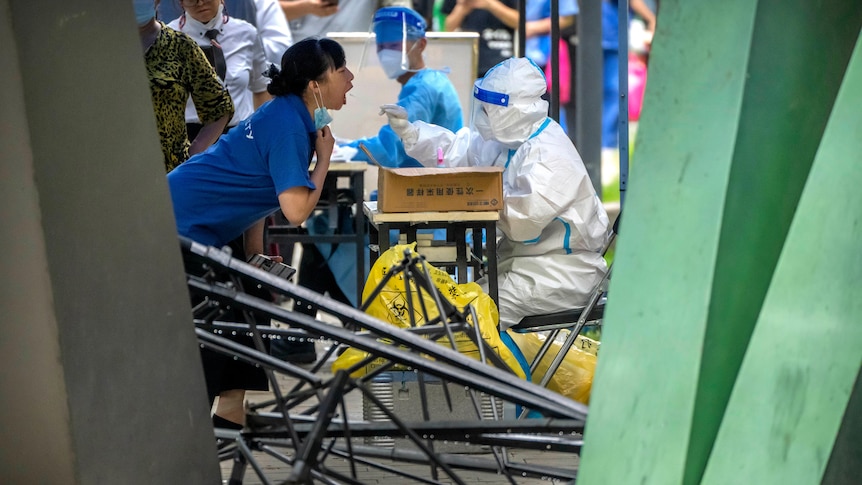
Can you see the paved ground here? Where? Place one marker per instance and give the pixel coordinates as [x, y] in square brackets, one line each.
[276, 471]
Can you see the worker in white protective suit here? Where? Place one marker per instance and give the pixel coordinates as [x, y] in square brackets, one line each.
[552, 226]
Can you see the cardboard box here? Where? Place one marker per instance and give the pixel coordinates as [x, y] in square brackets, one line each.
[440, 189]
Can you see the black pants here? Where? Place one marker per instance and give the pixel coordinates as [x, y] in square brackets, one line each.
[314, 274]
[222, 372]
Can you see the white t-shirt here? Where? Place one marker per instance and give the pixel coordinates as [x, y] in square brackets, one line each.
[352, 16]
[265, 15]
[244, 58]
[273, 30]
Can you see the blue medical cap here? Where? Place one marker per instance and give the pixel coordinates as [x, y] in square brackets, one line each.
[390, 22]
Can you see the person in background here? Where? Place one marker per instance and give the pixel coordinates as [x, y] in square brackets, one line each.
[494, 20]
[538, 47]
[264, 15]
[236, 43]
[426, 94]
[426, 9]
[538, 27]
[552, 226]
[611, 67]
[178, 69]
[318, 17]
[260, 166]
[233, 47]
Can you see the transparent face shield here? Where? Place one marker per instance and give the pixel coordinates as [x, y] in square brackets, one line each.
[486, 105]
[503, 117]
[506, 110]
[392, 41]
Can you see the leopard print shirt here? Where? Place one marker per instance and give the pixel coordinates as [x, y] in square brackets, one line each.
[177, 69]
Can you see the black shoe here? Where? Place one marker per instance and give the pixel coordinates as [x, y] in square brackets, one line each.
[293, 352]
[220, 422]
[302, 358]
[223, 445]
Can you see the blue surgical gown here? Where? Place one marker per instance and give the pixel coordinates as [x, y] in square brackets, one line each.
[428, 96]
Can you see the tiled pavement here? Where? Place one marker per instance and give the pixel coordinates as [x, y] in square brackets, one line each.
[276, 471]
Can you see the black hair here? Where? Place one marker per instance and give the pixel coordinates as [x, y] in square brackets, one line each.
[307, 60]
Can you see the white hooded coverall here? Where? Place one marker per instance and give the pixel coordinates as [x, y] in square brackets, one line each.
[553, 226]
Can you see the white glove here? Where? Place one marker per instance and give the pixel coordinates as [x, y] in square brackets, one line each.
[398, 122]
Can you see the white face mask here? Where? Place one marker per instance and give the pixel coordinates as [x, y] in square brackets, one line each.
[390, 60]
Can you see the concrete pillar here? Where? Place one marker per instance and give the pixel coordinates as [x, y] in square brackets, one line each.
[101, 379]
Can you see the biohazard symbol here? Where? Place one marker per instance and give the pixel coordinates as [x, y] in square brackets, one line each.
[399, 312]
[399, 309]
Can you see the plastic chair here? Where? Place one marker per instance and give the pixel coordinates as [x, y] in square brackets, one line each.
[574, 320]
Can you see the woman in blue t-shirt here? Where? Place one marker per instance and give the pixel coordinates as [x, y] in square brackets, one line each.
[260, 166]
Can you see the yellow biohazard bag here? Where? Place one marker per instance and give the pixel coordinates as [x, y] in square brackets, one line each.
[574, 378]
[391, 306]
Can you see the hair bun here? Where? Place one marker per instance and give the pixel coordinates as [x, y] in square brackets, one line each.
[304, 61]
[272, 72]
[277, 83]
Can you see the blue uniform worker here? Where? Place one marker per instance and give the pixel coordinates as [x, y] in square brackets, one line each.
[261, 165]
[427, 94]
[223, 191]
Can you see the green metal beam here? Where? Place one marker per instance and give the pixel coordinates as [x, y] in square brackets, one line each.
[844, 466]
[797, 377]
[790, 89]
[737, 103]
[645, 388]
